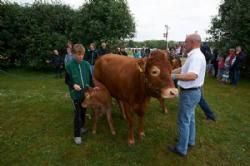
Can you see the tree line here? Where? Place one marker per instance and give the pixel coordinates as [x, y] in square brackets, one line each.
[29, 32]
[161, 44]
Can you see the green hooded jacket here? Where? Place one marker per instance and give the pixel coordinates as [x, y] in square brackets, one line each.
[80, 74]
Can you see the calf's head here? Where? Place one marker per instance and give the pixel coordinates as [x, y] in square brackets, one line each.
[89, 98]
[157, 73]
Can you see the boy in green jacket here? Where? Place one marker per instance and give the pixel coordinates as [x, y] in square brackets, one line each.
[78, 77]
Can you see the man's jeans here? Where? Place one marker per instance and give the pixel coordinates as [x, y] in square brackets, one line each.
[186, 119]
[206, 109]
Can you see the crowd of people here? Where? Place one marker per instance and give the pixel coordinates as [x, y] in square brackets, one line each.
[140, 53]
[58, 61]
[226, 68]
[135, 52]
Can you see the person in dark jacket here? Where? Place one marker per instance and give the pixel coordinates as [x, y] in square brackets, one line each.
[214, 62]
[243, 57]
[91, 56]
[147, 52]
[205, 49]
[78, 77]
[123, 52]
[57, 62]
[103, 50]
[236, 65]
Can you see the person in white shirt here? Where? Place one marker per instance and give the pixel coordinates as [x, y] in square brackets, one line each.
[190, 80]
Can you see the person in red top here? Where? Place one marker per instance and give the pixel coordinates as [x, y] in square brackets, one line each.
[231, 54]
[220, 68]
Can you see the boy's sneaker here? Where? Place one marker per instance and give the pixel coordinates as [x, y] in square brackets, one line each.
[78, 140]
[84, 130]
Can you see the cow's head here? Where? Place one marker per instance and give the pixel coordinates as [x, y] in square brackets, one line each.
[157, 72]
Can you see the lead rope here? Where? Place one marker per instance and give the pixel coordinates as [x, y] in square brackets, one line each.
[81, 75]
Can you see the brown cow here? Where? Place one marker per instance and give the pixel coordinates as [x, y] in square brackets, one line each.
[100, 101]
[131, 81]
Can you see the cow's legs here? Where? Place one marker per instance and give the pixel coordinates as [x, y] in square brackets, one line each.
[129, 115]
[97, 114]
[141, 125]
[94, 121]
[121, 105]
[162, 104]
[140, 112]
[110, 121]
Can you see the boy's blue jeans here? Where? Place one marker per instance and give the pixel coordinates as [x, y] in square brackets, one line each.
[186, 118]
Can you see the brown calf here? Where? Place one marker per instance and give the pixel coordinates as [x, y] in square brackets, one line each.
[100, 101]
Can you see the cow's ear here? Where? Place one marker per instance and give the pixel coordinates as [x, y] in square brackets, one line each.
[141, 65]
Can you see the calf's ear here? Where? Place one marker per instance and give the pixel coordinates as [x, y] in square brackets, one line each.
[87, 95]
[141, 65]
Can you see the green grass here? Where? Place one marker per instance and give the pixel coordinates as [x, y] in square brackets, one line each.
[36, 128]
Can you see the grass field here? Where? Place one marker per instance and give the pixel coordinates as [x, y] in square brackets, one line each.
[36, 128]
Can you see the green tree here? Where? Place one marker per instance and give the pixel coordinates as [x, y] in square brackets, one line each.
[29, 33]
[231, 27]
[104, 20]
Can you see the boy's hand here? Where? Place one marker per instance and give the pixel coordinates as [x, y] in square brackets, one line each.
[77, 87]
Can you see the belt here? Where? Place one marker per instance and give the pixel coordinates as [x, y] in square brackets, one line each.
[188, 89]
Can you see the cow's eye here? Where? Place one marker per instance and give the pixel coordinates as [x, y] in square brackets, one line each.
[155, 71]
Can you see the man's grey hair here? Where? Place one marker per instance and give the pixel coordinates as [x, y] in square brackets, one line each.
[195, 37]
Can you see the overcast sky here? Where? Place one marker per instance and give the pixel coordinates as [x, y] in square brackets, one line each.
[182, 16]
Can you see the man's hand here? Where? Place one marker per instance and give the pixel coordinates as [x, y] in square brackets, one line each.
[173, 76]
[176, 71]
[77, 87]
